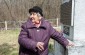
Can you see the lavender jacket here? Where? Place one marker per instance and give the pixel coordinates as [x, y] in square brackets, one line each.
[30, 35]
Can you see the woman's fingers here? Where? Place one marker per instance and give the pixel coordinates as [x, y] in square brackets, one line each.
[40, 46]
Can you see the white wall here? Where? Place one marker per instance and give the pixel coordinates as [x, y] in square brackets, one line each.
[79, 20]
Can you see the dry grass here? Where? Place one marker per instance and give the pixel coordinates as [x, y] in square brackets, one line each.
[9, 36]
[8, 42]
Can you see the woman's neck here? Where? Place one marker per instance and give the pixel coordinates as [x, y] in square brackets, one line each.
[38, 24]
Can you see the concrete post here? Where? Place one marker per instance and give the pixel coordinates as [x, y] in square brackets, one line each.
[73, 27]
[79, 29]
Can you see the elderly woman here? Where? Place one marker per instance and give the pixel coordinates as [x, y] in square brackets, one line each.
[35, 34]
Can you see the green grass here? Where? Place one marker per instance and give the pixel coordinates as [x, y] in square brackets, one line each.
[9, 42]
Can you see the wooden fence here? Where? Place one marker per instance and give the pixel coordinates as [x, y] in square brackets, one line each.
[6, 25]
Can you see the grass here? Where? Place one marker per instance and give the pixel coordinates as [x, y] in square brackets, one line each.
[9, 42]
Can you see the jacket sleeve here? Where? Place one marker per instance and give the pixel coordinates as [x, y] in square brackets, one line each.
[25, 41]
[58, 37]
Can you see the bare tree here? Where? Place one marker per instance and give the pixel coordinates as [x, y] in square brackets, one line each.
[17, 9]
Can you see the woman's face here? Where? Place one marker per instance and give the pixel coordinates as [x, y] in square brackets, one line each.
[34, 16]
